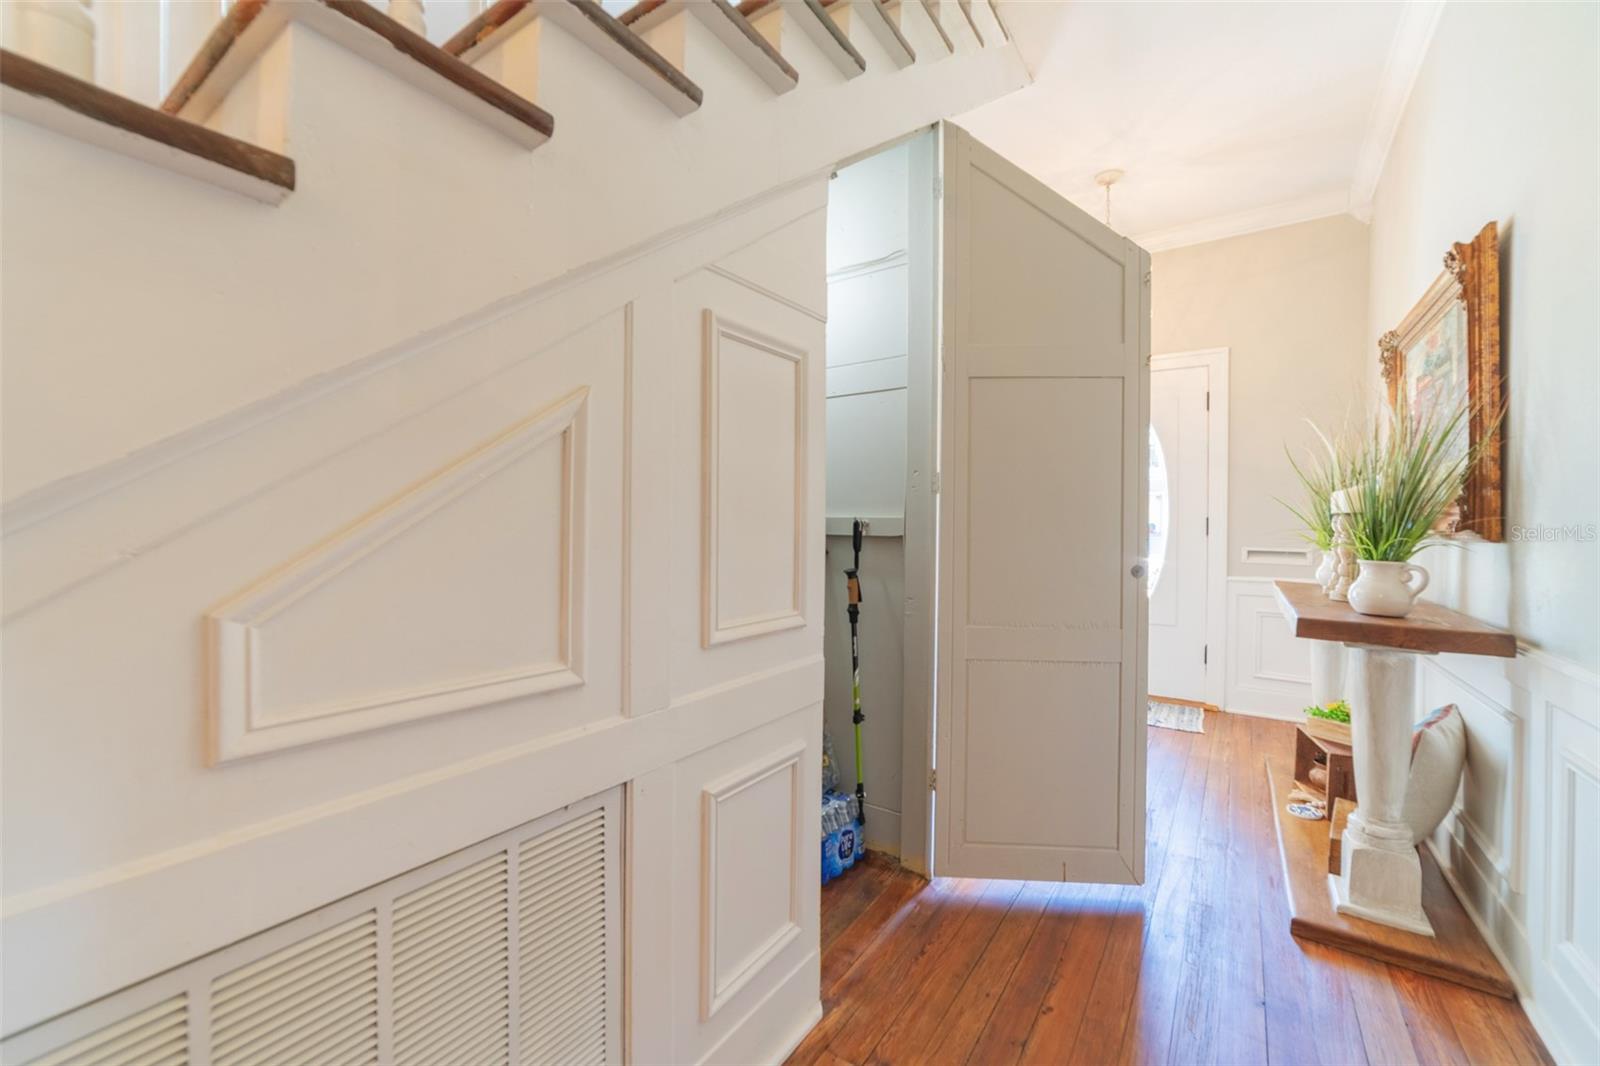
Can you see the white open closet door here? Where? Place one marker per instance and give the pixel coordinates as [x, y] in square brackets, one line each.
[1042, 610]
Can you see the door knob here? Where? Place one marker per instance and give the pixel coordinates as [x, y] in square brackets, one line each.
[1138, 570]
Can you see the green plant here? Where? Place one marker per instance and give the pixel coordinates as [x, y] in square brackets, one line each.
[1337, 711]
[1320, 476]
[1408, 472]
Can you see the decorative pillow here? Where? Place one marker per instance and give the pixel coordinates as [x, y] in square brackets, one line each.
[1438, 754]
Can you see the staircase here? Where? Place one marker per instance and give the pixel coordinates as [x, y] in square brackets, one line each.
[358, 479]
[589, 135]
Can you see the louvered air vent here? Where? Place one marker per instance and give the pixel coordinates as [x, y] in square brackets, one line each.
[158, 1036]
[314, 1001]
[505, 951]
[562, 924]
[452, 969]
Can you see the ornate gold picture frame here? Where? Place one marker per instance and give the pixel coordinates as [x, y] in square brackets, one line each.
[1448, 349]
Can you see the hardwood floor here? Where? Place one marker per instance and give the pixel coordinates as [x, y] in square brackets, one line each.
[1196, 965]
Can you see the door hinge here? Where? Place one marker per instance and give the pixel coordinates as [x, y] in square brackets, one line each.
[1208, 399]
[1208, 525]
[933, 780]
[1205, 655]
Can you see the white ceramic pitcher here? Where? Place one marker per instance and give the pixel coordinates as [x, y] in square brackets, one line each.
[1387, 589]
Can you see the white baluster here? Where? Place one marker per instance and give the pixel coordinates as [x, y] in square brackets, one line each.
[59, 33]
[409, 14]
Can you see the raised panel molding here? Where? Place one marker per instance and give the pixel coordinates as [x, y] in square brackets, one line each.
[736, 895]
[1514, 846]
[1266, 671]
[246, 721]
[732, 607]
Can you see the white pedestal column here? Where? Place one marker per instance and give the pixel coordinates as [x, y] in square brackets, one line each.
[1380, 876]
[1327, 672]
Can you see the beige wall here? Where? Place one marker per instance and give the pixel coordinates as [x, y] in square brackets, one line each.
[1519, 148]
[1291, 306]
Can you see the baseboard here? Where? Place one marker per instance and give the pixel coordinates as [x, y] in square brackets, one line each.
[1270, 713]
[792, 1009]
[1552, 1037]
[801, 1032]
[883, 829]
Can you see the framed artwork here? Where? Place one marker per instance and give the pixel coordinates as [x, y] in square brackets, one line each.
[1447, 351]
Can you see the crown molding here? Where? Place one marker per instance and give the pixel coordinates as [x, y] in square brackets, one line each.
[1219, 227]
[1407, 50]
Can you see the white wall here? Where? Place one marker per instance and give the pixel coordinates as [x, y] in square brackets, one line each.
[868, 348]
[579, 632]
[1502, 125]
[1290, 305]
[1474, 147]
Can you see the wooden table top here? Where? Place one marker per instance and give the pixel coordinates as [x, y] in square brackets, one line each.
[1428, 628]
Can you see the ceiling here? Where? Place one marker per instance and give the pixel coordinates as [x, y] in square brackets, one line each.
[1225, 117]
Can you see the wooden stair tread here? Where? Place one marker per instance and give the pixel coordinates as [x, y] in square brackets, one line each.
[933, 17]
[482, 30]
[900, 42]
[751, 8]
[23, 75]
[430, 57]
[778, 73]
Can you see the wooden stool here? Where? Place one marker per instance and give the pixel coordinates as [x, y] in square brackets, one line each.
[1331, 740]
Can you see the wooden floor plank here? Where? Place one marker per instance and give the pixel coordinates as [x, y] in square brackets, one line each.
[1056, 1026]
[1309, 1014]
[1199, 1020]
[879, 921]
[894, 986]
[1109, 1012]
[846, 898]
[1006, 1032]
[939, 981]
[964, 1022]
[1195, 965]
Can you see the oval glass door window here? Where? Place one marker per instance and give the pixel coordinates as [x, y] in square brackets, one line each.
[1159, 512]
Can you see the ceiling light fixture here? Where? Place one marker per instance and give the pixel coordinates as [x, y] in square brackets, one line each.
[1105, 179]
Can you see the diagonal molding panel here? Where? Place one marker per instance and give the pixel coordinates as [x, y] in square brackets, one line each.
[465, 590]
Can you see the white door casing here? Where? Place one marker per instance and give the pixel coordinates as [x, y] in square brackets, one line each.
[1041, 756]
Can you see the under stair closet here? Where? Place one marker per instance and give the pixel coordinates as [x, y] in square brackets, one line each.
[881, 415]
[395, 668]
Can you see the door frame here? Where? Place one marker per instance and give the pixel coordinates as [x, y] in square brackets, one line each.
[1215, 360]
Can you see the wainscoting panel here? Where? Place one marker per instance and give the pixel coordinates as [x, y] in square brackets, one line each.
[391, 620]
[749, 870]
[397, 612]
[1520, 844]
[755, 482]
[1268, 671]
[749, 882]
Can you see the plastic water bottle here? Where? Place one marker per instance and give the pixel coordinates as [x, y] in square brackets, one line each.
[831, 866]
[849, 833]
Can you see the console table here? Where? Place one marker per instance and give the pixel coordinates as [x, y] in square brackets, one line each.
[1380, 897]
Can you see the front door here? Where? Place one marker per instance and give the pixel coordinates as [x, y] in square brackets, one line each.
[1179, 527]
[1041, 708]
